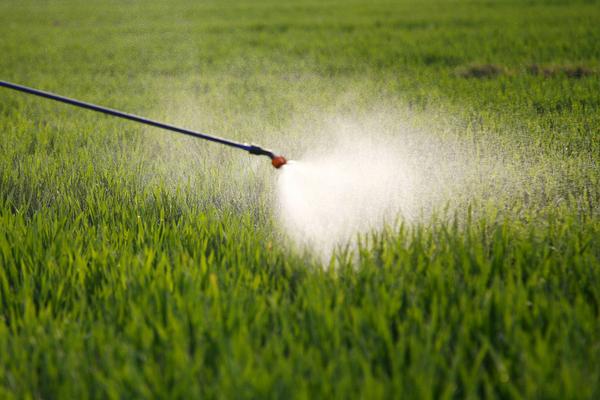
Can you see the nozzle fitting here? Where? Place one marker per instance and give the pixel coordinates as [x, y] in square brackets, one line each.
[278, 161]
[259, 151]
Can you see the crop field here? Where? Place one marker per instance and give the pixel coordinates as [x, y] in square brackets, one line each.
[137, 263]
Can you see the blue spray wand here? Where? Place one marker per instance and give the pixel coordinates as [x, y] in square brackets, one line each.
[276, 160]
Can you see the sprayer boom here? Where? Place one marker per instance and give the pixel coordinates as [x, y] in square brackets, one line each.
[276, 161]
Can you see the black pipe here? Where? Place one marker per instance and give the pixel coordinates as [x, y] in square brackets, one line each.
[250, 148]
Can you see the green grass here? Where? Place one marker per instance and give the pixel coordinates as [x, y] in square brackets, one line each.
[138, 264]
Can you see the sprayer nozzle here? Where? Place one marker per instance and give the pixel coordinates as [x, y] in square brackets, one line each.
[278, 161]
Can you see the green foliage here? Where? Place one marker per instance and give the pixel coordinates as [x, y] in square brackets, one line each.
[134, 264]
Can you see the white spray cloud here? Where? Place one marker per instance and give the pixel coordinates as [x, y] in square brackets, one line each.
[360, 173]
[353, 184]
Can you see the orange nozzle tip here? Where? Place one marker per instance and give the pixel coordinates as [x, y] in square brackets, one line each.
[278, 161]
